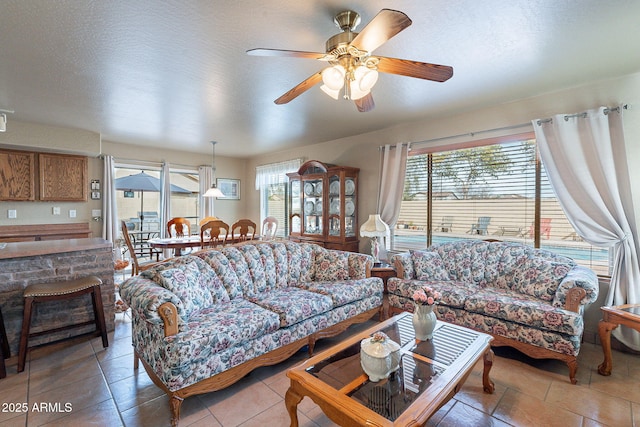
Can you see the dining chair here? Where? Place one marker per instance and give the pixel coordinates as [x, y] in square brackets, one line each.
[218, 232]
[182, 227]
[246, 230]
[206, 219]
[269, 228]
[136, 266]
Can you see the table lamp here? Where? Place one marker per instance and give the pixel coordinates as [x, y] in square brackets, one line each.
[374, 227]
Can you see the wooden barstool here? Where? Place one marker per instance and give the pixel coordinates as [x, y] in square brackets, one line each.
[57, 291]
[4, 347]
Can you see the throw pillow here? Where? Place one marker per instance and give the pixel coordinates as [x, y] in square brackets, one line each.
[428, 266]
[188, 284]
[332, 265]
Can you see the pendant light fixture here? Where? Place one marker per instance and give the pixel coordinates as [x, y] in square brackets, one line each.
[213, 191]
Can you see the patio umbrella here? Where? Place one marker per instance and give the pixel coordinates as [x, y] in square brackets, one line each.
[144, 182]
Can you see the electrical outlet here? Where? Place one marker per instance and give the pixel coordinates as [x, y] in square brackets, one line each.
[12, 214]
[72, 213]
[56, 210]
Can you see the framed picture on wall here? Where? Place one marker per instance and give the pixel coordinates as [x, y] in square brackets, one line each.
[229, 187]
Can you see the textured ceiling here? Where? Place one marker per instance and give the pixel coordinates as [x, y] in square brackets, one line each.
[175, 73]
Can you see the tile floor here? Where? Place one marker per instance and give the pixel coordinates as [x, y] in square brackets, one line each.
[84, 385]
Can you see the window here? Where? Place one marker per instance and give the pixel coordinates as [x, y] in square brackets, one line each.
[495, 189]
[141, 208]
[271, 181]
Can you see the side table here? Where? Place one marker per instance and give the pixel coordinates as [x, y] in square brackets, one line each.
[384, 271]
[627, 315]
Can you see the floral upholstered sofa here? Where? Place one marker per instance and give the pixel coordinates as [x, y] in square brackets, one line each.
[526, 298]
[203, 321]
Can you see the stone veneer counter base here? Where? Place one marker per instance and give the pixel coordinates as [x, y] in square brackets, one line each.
[26, 263]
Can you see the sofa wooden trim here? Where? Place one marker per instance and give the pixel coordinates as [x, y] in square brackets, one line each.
[233, 375]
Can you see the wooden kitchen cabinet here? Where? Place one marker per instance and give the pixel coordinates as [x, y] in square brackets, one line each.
[63, 177]
[17, 175]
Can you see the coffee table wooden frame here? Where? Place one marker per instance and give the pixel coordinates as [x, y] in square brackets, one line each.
[346, 411]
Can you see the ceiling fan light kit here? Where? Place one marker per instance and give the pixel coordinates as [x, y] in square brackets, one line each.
[352, 68]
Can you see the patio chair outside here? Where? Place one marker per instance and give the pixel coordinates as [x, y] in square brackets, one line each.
[447, 224]
[481, 227]
[545, 228]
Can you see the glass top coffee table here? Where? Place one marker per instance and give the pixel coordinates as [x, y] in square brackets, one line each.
[431, 372]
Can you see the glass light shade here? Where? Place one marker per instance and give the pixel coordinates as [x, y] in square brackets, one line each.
[332, 93]
[366, 78]
[333, 77]
[374, 227]
[213, 192]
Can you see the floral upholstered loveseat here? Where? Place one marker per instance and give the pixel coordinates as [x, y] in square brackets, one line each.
[526, 298]
[203, 321]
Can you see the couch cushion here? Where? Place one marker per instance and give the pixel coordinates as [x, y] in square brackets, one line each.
[293, 304]
[454, 293]
[428, 266]
[188, 285]
[281, 262]
[220, 264]
[307, 264]
[255, 266]
[346, 291]
[515, 307]
[463, 261]
[239, 264]
[331, 265]
[539, 278]
[268, 261]
[222, 326]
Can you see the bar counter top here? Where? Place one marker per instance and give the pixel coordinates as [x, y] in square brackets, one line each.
[47, 247]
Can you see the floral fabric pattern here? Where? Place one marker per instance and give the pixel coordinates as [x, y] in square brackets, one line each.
[293, 304]
[428, 266]
[331, 265]
[260, 300]
[503, 288]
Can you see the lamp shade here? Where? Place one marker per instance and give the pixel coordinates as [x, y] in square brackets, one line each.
[374, 227]
[213, 192]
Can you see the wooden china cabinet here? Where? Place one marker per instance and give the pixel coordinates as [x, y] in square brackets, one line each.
[323, 205]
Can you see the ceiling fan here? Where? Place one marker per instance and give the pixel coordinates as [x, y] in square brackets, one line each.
[352, 68]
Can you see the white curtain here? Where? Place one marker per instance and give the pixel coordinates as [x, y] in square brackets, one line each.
[393, 166]
[275, 173]
[205, 174]
[584, 155]
[110, 225]
[165, 199]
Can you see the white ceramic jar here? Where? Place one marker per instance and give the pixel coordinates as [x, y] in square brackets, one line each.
[379, 356]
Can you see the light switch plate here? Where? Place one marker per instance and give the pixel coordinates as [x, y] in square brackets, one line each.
[72, 213]
[12, 214]
[56, 210]
[96, 212]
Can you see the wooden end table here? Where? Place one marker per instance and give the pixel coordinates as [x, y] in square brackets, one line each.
[627, 315]
[430, 374]
[384, 271]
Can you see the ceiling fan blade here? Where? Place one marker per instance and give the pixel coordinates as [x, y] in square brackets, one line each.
[386, 24]
[290, 53]
[365, 103]
[300, 89]
[420, 70]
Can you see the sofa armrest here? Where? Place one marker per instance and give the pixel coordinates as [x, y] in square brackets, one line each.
[145, 297]
[578, 277]
[403, 265]
[360, 265]
[169, 314]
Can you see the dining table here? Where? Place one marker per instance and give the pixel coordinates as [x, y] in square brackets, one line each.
[178, 244]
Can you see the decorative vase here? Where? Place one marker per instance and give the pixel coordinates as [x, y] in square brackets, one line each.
[424, 321]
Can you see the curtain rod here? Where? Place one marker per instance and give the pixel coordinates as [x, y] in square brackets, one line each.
[584, 114]
[471, 134]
